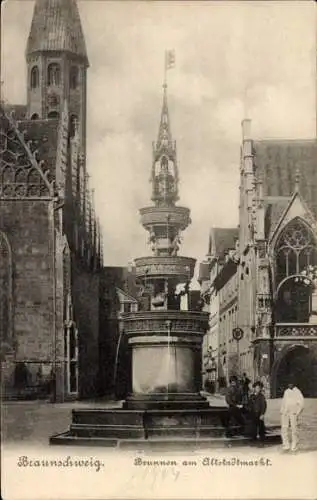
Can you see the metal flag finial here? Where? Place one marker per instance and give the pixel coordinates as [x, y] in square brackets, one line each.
[297, 179]
[169, 63]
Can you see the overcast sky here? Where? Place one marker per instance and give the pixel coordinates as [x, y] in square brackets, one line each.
[231, 59]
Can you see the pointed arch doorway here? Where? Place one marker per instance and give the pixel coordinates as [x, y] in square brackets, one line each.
[298, 362]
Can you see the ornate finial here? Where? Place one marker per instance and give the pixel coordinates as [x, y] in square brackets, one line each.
[164, 169]
[164, 134]
[297, 180]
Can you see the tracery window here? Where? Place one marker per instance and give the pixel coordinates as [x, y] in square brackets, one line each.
[53, 74]
[35, 77]
[296, 250]
[295, 255]
[5, 289]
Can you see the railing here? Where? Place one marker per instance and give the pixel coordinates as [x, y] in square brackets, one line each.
[295, 330]
[156, 322]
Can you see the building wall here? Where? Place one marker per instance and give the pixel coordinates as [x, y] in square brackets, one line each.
[115, 357]
[228, 364]
[85, 290]
[28, 226]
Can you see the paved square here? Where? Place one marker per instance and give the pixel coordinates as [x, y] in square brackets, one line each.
[35, 421]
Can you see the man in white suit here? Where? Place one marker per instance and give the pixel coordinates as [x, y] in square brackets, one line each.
[292, 406]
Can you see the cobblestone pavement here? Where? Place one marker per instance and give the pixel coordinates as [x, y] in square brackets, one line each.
[35, 421]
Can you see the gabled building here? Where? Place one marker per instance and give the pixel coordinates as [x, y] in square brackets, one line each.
[218, 280]
[118, 295]
[50, 239]
[275, 266]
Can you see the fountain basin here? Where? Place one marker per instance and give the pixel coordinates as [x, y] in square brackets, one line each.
[166, 356]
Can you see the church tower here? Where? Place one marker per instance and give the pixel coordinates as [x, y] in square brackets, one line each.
[57, 64]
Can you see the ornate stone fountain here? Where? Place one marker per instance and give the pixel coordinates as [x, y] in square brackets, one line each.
[165, 341]
[165, 338]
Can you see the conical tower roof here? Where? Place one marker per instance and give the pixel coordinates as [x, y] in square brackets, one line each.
[56, 26]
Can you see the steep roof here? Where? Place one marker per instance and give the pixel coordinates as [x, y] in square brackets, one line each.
[42, 135]
[277, 164]
[125, 297]
[274, 209]
[222, 240]
[56, 26]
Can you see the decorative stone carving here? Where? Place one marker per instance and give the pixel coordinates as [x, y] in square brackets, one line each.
[193, 322]
[157, 215]
[296, 331]
[157, 266]
[21, 175]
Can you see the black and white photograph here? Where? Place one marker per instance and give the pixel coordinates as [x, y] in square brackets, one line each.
[158, 249]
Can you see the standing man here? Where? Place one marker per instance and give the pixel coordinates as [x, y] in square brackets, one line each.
[257, 408]
[292, 406]
[234, 402]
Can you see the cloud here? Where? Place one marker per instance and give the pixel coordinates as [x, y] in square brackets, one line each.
[232, 58]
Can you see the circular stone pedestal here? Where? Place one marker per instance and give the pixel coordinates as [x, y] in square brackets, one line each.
[166, 357]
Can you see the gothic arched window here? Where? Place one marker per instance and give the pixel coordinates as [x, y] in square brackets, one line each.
[73, 77]
[5, 288]
[295, 266]
[295, 251]
[35, 77]
[53, 74]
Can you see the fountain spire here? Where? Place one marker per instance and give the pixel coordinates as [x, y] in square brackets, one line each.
[164, 167]
[164, 133]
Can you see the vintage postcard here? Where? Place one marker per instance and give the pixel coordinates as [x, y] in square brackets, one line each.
[158, 250]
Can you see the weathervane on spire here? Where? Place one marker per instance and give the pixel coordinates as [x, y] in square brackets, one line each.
[168, 64]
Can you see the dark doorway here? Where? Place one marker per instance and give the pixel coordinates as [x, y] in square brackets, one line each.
[300, 364]
[53, 114]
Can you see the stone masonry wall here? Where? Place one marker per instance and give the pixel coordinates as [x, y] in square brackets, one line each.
[85, 287]
[28, 228]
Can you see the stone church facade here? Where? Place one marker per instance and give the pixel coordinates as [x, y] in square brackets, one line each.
[50, 239]
[269, 269]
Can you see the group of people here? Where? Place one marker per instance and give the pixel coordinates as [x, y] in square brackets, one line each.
[247, 406]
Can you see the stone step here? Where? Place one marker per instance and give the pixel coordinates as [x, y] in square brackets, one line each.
[126, 431]
[162, 443]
